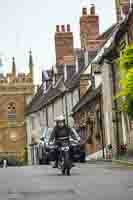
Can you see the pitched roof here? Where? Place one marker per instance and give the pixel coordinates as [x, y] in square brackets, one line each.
[87, 98]
[105, 35]
[110, 45]
[73, 82]
[42, 100]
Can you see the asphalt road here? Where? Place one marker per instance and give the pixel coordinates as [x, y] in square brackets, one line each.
[87, 182]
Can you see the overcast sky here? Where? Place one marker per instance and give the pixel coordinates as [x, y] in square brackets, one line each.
[26, 24]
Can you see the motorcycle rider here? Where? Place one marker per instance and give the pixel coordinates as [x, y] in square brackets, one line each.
[61, 133]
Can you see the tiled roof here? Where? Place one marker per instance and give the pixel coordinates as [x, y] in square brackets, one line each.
[119, 30]
[105, 35]
[42, 100]
[87, 98]
[73, 82]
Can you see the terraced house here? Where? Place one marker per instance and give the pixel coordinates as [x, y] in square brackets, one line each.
[62, 87]
[97, 113]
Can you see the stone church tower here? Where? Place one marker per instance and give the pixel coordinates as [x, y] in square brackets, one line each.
[15, 92]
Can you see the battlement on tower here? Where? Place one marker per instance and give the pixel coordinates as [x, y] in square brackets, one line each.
[13, 82]
[19, 78]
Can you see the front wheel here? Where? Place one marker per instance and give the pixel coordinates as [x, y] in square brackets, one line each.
[68, 172]
[67, 163]
[63, 171]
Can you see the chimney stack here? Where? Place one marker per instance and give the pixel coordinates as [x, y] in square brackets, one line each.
[125, 7]
[63, 43]
[89, 28]
[122, 8]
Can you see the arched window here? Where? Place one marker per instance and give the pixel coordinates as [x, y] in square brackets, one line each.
[12, 111]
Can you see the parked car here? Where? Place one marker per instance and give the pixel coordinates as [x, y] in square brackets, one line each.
[43, 148]
[77, 154]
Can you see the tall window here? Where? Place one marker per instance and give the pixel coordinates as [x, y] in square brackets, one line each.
[12, 111]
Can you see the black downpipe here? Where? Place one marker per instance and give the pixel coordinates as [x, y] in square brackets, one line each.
[46, 116]
[101, 126]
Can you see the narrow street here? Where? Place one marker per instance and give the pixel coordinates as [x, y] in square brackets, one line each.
[89, 181]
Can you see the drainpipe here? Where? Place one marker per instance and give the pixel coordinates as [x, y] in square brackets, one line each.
[101, 126]
[46, 116]
[66, 108]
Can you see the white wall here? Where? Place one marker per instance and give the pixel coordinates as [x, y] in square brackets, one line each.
[41, 118]
[72, 100]
[98, 80]
[50, 115]
[75, 96]
[44, 117]
[107, 103]
[58, 107]
[69, 102]
[70, 106]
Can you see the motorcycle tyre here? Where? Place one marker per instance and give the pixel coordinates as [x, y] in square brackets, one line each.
[68, 172]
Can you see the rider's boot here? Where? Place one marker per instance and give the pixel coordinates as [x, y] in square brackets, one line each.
[55, 165]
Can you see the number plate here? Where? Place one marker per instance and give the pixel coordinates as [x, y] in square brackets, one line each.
[65, 148]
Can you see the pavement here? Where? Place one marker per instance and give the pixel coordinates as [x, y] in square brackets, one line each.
[87, 182]
[128, 163]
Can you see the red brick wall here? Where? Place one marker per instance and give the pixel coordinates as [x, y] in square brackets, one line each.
[89, 27]
[63, 43]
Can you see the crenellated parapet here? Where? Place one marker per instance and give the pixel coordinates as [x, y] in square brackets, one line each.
[19, 83]
[19, 78]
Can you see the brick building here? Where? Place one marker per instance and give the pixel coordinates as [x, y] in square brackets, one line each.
[89, 29]
[63, 43]
[15, 92]
[122, 8]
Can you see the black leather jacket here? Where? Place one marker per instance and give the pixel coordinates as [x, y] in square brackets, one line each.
[62, 134]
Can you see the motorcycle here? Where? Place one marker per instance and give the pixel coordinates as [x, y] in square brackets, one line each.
[65, 157]
[65, 161]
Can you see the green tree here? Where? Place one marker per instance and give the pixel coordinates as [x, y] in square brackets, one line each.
[125, 63]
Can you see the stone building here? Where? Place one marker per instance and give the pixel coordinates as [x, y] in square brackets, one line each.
[16, 90]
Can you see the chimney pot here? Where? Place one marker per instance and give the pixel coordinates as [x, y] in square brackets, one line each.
[63, 28]
[92, 10]
[57, 28]
[68, 28]
[84, 11]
